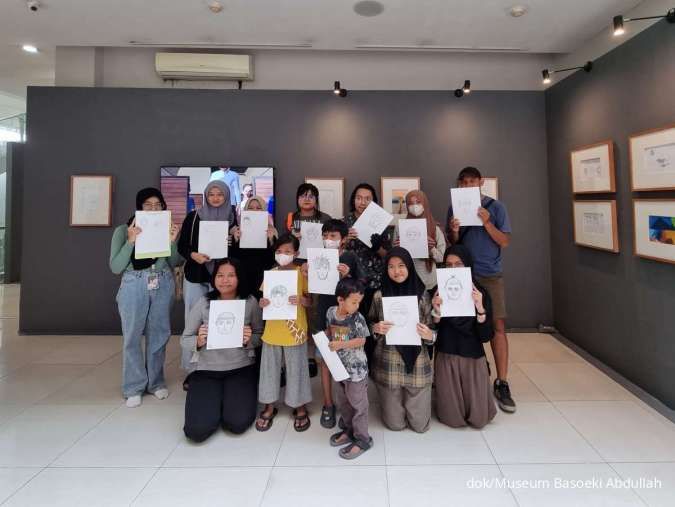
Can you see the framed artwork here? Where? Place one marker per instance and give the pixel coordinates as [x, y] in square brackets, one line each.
[654, 229]
[393, 192]
[592, 169]
[652, 159]
[331, 195]
[595, 225]
[490, 187]
[90, 201]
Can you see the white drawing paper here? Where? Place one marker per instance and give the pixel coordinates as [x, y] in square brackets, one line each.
[226, 324]
[154, 239]
[213, 238]
[412, 233]
[465, 204]
[91, 200]
[660, 159]
[310, 237]
[331, 358]
[278, 286]
[455, 287]
[323, 274]
[253, 229]
[374, 220]
[403, 313]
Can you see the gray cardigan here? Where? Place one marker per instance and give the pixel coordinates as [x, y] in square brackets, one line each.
[220, 359]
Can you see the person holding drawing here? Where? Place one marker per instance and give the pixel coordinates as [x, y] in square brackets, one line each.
[403, 373]
[485, 244]
[463, 393]
[223, 382]
[144, 300]
[307, 199]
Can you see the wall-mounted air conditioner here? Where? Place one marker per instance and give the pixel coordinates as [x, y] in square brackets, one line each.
[204, 66]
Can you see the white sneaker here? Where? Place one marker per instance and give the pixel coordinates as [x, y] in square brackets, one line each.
[162, 393]
[134, 401]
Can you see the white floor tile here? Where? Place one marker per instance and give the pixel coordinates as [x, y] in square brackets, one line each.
[8, 411]
[36, 381]
[84, 350]
[537, 433]
[70, 487]
[587, 485]
[539, 348]
[653, 482]
[11, 479]
[240, 487]
[621, 430]
[327, 486]
[443, 485]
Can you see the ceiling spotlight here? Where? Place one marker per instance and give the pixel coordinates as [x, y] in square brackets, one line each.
[368, 8]
[28, 48]
[518, 10]
[338, 90]
[618, 21]
[467, 86]
[546, 74]
[215, 7]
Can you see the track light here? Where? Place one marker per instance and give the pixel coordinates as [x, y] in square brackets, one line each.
[618, 21]
[466, 88]
[338, 90]
[546, 74]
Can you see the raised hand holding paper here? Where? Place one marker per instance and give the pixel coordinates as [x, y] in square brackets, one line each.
[213, 238]
[253, 229]
[310, 237]
[323, 274]
[465, 204]
[403, 313]
[278, 286]
[373, 220]
[226, 324]
[412, 234]
[331, 358]
[455, 287]
[154, 240]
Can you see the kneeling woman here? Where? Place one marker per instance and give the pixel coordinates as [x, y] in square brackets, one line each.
[403, 373]
[463, 390]
[223, 382]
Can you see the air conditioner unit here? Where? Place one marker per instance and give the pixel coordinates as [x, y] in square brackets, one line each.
[204, 66]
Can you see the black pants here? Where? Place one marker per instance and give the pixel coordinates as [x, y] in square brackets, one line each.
[220, 398]
[364, 309]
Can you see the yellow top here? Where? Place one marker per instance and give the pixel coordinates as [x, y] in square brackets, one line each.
[277, 332]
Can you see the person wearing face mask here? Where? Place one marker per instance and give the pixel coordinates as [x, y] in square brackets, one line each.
[418, 207]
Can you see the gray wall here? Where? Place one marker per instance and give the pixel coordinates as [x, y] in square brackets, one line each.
[617, 307]
[67, 286]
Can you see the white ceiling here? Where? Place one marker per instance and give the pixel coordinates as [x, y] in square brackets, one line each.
[550, 26]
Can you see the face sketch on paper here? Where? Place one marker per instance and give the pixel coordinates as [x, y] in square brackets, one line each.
[279, 296]
[321, 267]
[398, 314]
[312, 234]
[453, 288]
[246, 223]
[225, 322]
[375, 222]
[413, 234]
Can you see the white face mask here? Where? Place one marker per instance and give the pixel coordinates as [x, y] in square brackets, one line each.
[331, 243]
[283, 259]
[416, 209]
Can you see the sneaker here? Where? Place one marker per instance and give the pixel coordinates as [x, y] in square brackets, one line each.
[328, 417]
[161, 394]
[134, 401]
[503, 396]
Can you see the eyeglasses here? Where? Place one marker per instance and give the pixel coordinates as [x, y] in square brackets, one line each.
[152, 207]
[308, 197]
[358, 198]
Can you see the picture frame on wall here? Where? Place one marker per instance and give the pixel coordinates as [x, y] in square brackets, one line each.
[654, 229]
[393, 191]
[91, 200]
[592, 169]
[490, 187]
[652, 159]
[331, 195]
[595, 225]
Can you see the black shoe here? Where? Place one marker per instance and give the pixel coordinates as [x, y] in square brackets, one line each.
[328, 417]
[503, 396]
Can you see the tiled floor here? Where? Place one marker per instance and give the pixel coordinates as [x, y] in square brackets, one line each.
[67, 439]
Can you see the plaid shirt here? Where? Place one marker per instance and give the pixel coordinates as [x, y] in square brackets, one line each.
[388, 366]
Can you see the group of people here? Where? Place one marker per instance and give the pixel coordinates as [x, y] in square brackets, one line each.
[225, 386]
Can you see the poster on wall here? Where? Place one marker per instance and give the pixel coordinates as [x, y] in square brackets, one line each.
[90, 201]
[652, 160]
[394, 190]
[595, 225]
[654, 229]
[490, 187]
[592, 169]
[331, 195]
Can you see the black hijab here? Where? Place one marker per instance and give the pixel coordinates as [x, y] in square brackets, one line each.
[142, 196]
[412, 286]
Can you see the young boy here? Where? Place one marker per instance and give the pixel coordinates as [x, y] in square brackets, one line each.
[334, 236]
[285, 342]
[348, 331]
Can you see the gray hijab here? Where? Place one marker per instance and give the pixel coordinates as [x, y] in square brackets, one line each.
[221, 213]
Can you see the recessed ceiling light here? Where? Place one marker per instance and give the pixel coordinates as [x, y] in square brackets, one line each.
[518, 10]
[215, 7]
[29, 48]
[368, 8]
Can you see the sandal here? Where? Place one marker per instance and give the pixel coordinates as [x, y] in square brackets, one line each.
[336, 439]
[302, 422]
[269, 419]
[328, 417]
[346, 452]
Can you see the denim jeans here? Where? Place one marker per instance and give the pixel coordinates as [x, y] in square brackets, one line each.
[191, 294]
[144, 312]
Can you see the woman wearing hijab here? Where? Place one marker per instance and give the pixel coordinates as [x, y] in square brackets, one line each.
[418, 207]
[144, 300]
[463, 390]
[403, 373]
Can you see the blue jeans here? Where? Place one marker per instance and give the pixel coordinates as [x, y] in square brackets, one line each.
[192, 292]
[144, 311]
